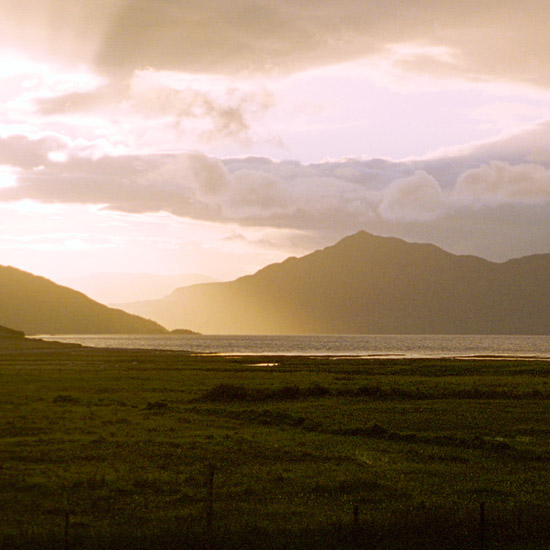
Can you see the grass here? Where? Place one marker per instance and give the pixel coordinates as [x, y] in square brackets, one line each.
[122, 441]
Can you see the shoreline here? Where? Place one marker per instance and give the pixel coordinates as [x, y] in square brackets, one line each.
[352, 347]
[26, 345]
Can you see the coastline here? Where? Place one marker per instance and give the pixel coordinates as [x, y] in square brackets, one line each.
[364, 346]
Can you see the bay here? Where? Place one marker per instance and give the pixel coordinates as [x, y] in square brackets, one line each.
[405, 346]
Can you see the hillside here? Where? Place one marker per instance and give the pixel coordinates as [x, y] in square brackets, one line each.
[10, 334]
[14, 341]
[368, 284]
[36, 305]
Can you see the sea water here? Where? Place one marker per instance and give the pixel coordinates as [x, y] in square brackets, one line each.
[335, 345]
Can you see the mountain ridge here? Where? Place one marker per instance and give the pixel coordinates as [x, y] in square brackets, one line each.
[367, 284]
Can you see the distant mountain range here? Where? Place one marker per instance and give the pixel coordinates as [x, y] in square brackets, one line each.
[367, 284]
[36, 305]
[110, 288]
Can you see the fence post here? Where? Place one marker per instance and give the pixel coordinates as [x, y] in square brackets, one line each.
[482, 526]
[66, 534]
[210, 470]
[356, 532]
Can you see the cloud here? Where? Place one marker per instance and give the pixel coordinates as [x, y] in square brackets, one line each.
[22, 152]
[416, 198]
[500, 182]
[160, 75]
[75, 102]
[257, 194]
[527, 144]
[192, 185]
[118, 37]
[223, 113]
[463, 201]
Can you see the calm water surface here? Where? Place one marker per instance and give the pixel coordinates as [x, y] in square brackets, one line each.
[341, 345]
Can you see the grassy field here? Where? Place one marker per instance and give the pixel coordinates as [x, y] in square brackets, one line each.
[144, 450]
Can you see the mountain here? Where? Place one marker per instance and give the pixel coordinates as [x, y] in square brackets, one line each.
[36, 305]
[366, 284]
[112, 288]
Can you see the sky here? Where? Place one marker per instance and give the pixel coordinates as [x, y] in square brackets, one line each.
[216, 137]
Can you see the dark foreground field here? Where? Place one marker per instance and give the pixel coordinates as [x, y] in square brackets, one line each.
[137, 449]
